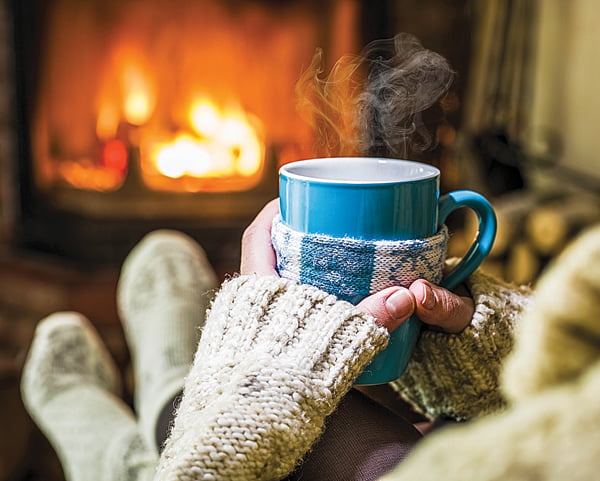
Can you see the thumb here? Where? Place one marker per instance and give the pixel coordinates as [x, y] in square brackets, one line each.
[439, 307]
[390, 307]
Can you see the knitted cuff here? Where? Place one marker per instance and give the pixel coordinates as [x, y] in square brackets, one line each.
[354, 268]
[457, 375]
[274, 360]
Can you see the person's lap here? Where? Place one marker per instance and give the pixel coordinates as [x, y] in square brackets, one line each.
[362, 440]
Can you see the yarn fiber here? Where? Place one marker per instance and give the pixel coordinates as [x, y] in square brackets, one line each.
[353, 268]
[274, 360]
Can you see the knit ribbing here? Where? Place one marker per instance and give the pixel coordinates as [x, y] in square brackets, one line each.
[274, 360]
[457, 375]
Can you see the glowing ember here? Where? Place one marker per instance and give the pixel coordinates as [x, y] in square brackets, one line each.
[114, 155]
[84, 174]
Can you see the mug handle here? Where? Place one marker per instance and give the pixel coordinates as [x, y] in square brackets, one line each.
[485, 236]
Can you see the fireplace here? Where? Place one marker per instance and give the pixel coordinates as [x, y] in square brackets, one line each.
[108, 96]
[140, 114]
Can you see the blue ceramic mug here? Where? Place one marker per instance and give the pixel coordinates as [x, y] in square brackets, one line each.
[369, 199]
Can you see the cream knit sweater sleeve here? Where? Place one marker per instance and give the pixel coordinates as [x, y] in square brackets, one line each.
[457, 375]
[274, 360]
[550, 430]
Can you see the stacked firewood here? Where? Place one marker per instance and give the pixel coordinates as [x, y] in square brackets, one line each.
[532, 230]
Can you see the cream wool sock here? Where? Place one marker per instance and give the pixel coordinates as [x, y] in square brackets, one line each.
[69, 387]
[162, 299]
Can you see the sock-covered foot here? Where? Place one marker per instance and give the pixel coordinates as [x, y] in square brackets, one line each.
[69, 387]
[163, 294]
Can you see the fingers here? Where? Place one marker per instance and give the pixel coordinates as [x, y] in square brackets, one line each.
[258, 256]
[439, 307]
[391, 306]
[433, 305]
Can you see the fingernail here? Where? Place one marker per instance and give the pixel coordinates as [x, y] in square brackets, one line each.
[400, 304]
[429, 300]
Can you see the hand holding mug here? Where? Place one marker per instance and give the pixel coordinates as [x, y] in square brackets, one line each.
[357, 225]
[390, 307]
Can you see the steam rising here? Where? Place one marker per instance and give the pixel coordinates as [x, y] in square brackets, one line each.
[371, 104]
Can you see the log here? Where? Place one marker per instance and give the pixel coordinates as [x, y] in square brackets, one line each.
[511, 211]
[551, 226]
[522, 263]
[494, 268]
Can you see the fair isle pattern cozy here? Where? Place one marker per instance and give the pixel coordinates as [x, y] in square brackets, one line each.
[368, 266]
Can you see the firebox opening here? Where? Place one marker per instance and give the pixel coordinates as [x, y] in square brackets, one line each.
[144, 114]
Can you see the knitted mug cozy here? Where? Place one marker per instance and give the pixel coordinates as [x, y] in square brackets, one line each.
[354, 268]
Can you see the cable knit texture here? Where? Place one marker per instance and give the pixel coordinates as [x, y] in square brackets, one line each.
[550, 431]
[457, 376]
[561, 337]
[274, 360]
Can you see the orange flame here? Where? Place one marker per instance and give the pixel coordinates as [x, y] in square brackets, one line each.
[139, 98]
[223, 144]
[132, 72]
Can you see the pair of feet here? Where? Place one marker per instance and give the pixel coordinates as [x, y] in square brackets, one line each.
[70, 384]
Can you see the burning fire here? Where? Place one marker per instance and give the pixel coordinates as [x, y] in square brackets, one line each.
[223, 145]
[139, 99]
[216, 144]
[183, 99]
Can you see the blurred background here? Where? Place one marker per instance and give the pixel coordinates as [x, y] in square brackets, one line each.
[120, 117]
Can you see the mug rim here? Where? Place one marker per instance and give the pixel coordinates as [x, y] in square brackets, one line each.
[428, 171]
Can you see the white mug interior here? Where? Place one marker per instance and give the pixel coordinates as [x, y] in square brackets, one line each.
[359, 170]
